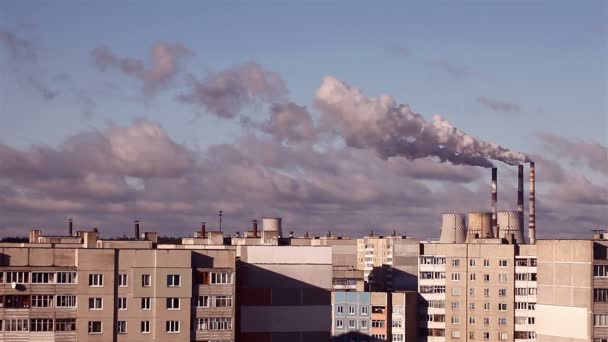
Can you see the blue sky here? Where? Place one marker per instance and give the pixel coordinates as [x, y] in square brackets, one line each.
[547, 59]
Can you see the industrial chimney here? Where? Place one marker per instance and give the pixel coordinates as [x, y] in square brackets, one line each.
[532, 219]
[70, 227]
[203, 231]
[520, 194]
[494, 200]
[255, 228]
[136, 230]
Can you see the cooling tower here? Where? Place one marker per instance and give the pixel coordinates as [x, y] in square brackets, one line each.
[453, 228]
[272, 224]
[509, 222]
[480, 226]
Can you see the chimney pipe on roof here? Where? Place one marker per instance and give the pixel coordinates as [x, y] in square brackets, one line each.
[70, 227]
[494, 200]
[203, 230]
[136, 229]
[255, 228]
[532, 210]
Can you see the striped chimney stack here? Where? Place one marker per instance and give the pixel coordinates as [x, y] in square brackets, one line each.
[520, 194]
[494, 200]
[532, 219]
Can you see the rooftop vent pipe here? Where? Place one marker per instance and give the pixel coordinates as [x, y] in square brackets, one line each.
[255, 228]
[203, 230]
[70, 227]
[136, 229]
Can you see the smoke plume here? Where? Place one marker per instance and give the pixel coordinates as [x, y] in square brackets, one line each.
[395, 130]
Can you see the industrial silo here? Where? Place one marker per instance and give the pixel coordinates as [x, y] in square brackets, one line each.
[272, 224]
[509, 223]
[479, 226]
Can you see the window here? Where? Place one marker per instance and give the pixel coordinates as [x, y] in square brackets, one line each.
[376, 323]
[363, 324]
[486, 263]
[502, 307]
[455, 320]
[122, 303]
[96, 280]
[66, 278]
[221, 323]
[472, 262]
[455, 276]
[455, 291]
[174, 280]
[486, 335]
[455, 333]
[122, 280]
[121, 327]
[44, 324]
[503, 336]
[486, 292]
[95, 303]
[172, 303]
[502, 263]
[398, 337]
[502, 277]
[502, 292]
[600, 271]
[146, 280]
[364, 310]
[42, 301]
[352, 324]
[397, 323]
[600, 320]
[397, 309]
[17, 277]
[486, 321]
[65, 301]
[486, 277]
[340, 309]
[600, 295]
[472, 292]
[486, 306]
[17, 325]
[472, 320]
[221, 278]
[146, 303]
[95, 327]
[352, 310]
[455, 305]
[455, 262]
[42, 277]
[502, 321]
[172, 327]
[471, 306]
[65, 324]
[339, 323]
[472, 276]
[145, 327]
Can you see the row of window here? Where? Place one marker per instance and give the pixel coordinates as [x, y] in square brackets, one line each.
[473, 320]
[486, 306]
[352, 324]
[486, 263]
[21, 277]
[38, 324]
[501, 336]
[37, 301]
[526, 262]
[502, 277]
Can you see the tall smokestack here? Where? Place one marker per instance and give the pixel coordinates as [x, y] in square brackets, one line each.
[203, 230]
[136, 230]
[255, 228]
[520, 194]
[70, 227]
[532, 219]
[494, 200]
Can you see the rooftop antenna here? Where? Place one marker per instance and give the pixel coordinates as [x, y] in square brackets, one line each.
[221, 214]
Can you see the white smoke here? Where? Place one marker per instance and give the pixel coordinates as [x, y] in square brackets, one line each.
[395, 130]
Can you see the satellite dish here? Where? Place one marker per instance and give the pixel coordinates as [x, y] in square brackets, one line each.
[13, 285]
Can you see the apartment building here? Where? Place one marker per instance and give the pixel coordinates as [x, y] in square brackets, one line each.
[389, 263]
[76, 288]
[374, 316]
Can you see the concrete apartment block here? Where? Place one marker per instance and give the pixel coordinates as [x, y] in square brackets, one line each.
[284, 293]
